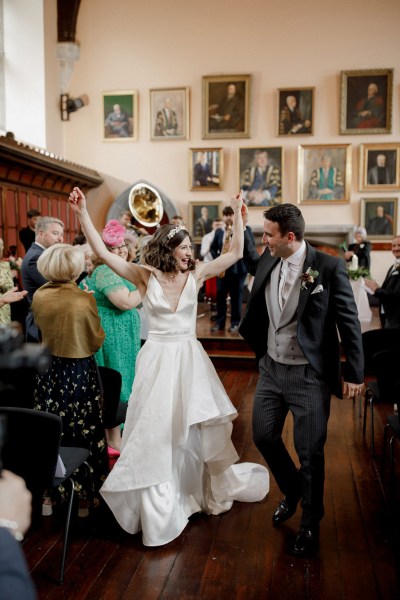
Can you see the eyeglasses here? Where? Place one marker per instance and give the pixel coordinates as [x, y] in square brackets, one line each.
[115, 248]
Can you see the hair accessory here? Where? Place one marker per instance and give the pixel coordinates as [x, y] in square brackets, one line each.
[113, 233]
[174, 231]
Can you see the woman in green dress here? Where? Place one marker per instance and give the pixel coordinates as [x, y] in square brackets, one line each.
[116, 301]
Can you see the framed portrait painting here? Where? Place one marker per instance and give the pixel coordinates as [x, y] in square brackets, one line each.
[120, 116]
[366, 101]
[201, 216]
[260, 176]
[205, 169]
[296, 111]
[169, 114]
[379, 167]
[379, 217]
[226, 106]
[324, 174]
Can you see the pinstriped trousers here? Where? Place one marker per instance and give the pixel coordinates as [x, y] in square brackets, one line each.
[299, 389]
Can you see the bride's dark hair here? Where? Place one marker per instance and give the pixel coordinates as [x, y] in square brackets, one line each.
[159, 251]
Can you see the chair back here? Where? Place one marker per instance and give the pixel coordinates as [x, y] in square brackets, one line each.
[386, 365]
[17, 387]
[31, 446]
[377, 340]
[111, 383]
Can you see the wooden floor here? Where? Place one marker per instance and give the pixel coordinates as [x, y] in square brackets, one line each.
[239, 555]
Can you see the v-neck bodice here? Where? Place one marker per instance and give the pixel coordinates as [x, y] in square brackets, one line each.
[161, 319]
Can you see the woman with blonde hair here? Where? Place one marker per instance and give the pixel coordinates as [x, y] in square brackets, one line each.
[70, 327]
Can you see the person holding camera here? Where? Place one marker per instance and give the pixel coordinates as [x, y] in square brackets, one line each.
[15, 519]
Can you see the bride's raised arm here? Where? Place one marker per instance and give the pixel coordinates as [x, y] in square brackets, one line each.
[235, 252]
[137, 275]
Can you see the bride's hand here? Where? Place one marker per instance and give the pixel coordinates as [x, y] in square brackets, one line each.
[77, 200]
[236, 201]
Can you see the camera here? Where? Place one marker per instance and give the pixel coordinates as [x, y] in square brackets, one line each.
[19, 364]
[15, 354]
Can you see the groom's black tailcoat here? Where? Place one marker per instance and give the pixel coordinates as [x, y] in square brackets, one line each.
[319, 316]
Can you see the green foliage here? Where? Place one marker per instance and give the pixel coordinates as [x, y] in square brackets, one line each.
[357, 273]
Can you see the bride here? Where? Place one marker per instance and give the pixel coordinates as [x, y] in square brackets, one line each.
[177, 457]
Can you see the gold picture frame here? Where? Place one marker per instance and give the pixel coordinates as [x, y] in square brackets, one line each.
[379, 167]
[201, 216]
[261, 175]
[366, 101]
[120, 116]
[296, 111]
[324, 173]
[379, 217]
[226, 106]
[206, 166]
[169, 114]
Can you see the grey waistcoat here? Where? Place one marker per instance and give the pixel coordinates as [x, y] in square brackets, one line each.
[283, 346]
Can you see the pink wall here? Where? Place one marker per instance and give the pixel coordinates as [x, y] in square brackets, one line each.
[158, 44]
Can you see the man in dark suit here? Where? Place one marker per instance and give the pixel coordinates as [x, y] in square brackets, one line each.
[388, 293]
[49, 231]
[27, 234]
[230, 282]
[15, 518]
[298, 299]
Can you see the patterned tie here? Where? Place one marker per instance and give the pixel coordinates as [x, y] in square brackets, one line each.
[225, 246]
[282, 282]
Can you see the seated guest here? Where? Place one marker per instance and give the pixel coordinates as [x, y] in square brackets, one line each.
[360, 248]
[70, 327]
[116, 300]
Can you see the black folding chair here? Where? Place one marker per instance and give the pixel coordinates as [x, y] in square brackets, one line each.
[386, 366]
[377, 340]
[31, 450]
[114, 411]
[393, 425]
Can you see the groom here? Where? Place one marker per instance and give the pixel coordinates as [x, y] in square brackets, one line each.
[299, 298]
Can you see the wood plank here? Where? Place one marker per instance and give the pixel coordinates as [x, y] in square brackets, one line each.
[240, 555]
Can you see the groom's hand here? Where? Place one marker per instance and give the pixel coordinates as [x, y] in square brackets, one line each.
[352, 390]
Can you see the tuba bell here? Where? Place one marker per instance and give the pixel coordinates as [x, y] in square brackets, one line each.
[146, 205]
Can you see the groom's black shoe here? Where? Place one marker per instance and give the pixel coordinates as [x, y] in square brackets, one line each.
[284, 511]
[306, 543]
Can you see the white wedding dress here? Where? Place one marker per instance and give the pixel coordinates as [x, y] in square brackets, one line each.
[177, 456]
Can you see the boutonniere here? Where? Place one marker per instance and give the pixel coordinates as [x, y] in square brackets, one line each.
[308, 277]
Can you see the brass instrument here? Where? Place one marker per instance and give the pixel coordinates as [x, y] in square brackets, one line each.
[146, 205]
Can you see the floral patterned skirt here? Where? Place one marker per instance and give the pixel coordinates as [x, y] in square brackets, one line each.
[70, 389]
